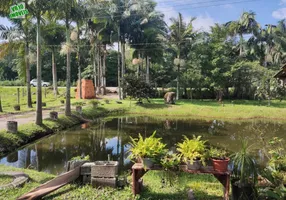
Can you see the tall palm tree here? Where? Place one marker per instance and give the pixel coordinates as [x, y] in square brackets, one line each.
[53, 35]
[67, 9]
[246, 24]
[181, 34]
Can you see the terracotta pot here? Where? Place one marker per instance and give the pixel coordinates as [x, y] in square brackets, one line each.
[220, 165]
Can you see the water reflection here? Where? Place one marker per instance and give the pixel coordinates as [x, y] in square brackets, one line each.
[112, 137]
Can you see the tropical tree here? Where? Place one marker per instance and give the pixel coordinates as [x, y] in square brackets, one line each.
[53, 35]
[246, 24]
[181, 34]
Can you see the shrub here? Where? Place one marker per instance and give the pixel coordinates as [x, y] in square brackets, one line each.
[137, 89]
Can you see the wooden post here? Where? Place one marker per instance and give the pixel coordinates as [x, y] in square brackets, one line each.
[18, 96]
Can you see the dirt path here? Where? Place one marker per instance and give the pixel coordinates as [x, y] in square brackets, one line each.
[25, 118]
[30, 116]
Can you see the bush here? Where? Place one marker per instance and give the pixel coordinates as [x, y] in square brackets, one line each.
[12, 83]
[138, 89]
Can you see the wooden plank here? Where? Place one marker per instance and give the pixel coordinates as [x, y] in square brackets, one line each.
[52, 185]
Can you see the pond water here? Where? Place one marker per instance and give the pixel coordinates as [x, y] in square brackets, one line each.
[111, 136]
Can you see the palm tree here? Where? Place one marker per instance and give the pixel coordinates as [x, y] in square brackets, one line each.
[53, 35]
[67, 9]
[246, 24]
[181, 34]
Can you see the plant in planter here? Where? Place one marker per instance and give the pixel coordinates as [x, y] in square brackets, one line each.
[170, 163]
[193, 151]
[148, 150]
[219, 159]
[244, 173]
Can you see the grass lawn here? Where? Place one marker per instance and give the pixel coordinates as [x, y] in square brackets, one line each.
[207, 109]
[9, 98]
[204, 186]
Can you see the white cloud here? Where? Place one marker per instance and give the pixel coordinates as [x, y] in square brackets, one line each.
[279, 14]
[203, 22]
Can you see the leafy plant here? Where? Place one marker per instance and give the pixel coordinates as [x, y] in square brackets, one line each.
[192, 149]
[87, 158]
[138, 89]
[170, 161]
[78, 103]
[245, 169]
[149, 147]
[277, 154]
[94, 103]
[218, 154]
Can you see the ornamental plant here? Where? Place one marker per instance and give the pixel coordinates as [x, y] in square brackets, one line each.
[192, 149]
[217, 154]
[150, 147]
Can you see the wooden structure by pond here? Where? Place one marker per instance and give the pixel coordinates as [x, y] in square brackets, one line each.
[281, 75]
[138, 171]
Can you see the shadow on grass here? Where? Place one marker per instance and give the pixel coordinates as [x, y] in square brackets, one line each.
[153, 106]
[147, 193]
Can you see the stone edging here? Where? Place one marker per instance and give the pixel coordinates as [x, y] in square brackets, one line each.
[20, 179]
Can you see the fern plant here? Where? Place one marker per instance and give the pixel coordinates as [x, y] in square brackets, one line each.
[150, 147]
[192, 149]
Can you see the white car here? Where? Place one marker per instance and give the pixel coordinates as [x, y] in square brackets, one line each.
[34, 83]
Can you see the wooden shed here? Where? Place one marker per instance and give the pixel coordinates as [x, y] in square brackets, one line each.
[281, 75]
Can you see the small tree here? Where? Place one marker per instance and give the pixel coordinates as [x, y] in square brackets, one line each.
[138, 89]
[1, 110]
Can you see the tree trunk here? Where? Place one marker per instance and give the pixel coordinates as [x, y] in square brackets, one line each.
[178, 80]
[54, 69]
[104, 71]
[28, 76]
[123, 68]
[99, 71]
[68, 81]
[240, 46]
[39, 114]
[78, 62]
[139, 65]
[148, 70]
[94, 68]
[118, 64]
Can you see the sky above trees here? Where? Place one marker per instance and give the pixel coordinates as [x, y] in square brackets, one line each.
[209, 12]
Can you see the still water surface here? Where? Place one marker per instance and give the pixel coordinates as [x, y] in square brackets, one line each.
[111, 136]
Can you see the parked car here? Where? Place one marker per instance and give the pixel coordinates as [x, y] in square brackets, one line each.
[34, 83]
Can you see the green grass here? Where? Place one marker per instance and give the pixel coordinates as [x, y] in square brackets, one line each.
[4, 179]
[9, 98]
[204, 186]
[207, 109]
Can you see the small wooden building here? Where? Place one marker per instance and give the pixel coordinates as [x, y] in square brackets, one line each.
[281, 75]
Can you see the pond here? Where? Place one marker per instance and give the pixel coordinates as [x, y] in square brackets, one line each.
[111, 136]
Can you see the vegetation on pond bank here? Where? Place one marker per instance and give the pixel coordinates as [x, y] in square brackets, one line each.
[204, 186]
[30, 132]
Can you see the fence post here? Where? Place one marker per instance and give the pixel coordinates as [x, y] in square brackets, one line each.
[18, 96]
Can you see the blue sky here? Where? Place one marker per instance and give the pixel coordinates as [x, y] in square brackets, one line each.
[268, 11]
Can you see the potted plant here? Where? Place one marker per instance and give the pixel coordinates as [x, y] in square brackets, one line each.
[148, 150]
[170, 163]
[219, 159]
[193, 152]
[244, 173]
